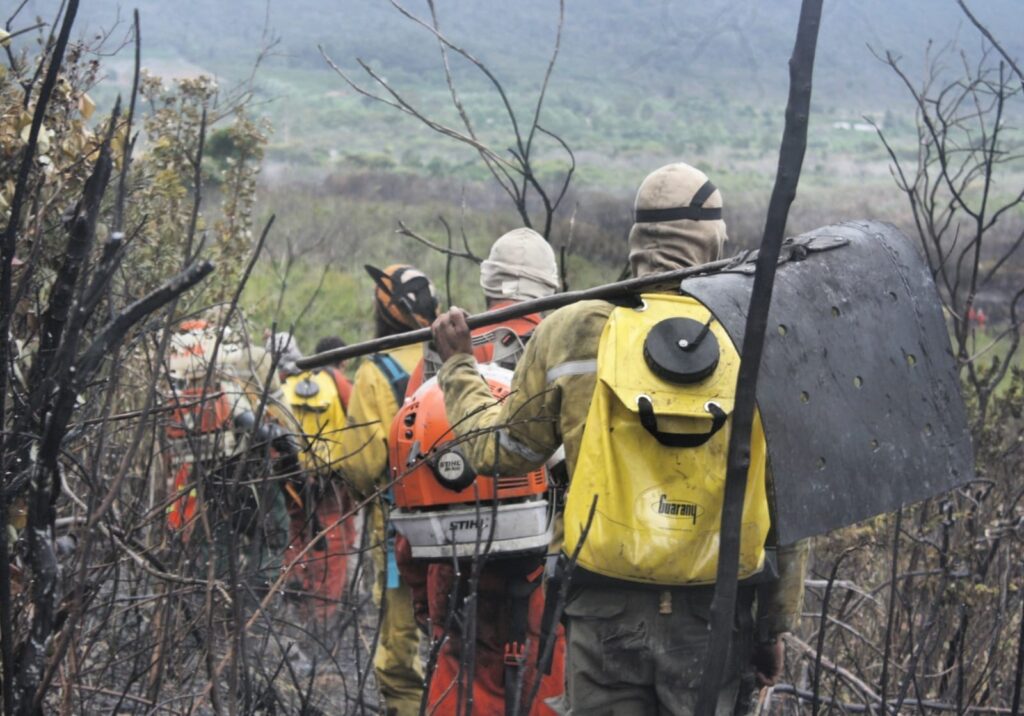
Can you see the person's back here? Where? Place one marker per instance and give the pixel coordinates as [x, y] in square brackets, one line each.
[210, 408]
[636, 640]
[507, 599]
[218, 451]
[319, 399]
[320, 509]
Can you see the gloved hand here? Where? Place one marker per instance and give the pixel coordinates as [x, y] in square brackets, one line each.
[768, 660]
[451, 334]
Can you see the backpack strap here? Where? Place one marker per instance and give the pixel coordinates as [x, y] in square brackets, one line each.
[695, 211]
[344, 386]
[396, 375]
[398, 379]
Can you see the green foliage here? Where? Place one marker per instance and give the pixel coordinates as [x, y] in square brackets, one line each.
[166, 180]
[313, 273]
[233, 228]
[161, 181]
[166, 173]
[310, 299]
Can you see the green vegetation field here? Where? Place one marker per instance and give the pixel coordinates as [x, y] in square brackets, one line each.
[636, 85]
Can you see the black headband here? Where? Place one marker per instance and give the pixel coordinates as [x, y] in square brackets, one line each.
[696, 211]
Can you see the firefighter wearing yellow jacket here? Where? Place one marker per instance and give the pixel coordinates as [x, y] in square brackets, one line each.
[638, 612]
[321, 504]
[404, 299]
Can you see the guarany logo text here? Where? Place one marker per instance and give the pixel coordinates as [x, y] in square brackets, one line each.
[671, 508]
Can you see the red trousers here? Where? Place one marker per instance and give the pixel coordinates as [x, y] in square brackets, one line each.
[432, 587]
[319, 575]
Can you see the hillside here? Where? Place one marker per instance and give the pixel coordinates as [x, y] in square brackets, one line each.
[694, 48]
[636, 80]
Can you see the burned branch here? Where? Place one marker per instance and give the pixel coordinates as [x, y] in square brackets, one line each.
[468, 254]
[791, 157]
[950, 188]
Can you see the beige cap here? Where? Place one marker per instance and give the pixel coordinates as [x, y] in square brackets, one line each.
[678, 221]
[521, 266]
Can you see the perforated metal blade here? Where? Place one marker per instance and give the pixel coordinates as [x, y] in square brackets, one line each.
[858, 389]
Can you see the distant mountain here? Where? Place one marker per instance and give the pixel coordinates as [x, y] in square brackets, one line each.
[637, 82]
[666, 46]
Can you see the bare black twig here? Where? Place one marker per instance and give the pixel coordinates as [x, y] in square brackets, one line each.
[517, 176]
[791, 155]
[129, 140]
[467, 254]
[995, 43]
[949, 187]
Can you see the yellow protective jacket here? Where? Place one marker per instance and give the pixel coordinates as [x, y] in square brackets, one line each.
[371, 409]
[551, 394]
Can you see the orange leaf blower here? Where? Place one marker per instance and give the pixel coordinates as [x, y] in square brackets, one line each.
[446, 507]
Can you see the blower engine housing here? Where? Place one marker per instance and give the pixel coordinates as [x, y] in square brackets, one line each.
[445, 506]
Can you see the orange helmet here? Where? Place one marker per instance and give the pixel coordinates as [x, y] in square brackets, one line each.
[404, 297]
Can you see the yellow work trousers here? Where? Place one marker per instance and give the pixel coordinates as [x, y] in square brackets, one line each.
[397, 659]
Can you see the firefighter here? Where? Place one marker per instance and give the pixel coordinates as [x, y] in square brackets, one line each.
[319, 510]
[520, 266]
[285, 348]
[634, 645]
[404, 299]
[213, 437]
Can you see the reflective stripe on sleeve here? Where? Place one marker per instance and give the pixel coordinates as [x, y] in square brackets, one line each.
[572, 367]
[509, 443]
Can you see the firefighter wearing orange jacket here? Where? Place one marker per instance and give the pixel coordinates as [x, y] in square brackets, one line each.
[509, 597]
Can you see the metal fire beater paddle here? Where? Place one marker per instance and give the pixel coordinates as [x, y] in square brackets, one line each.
[791, 155]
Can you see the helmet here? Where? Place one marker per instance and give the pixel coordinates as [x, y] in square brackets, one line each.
[521, 266]
[190, 349]
[404, 297]
[329, 343]
[678, 221]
